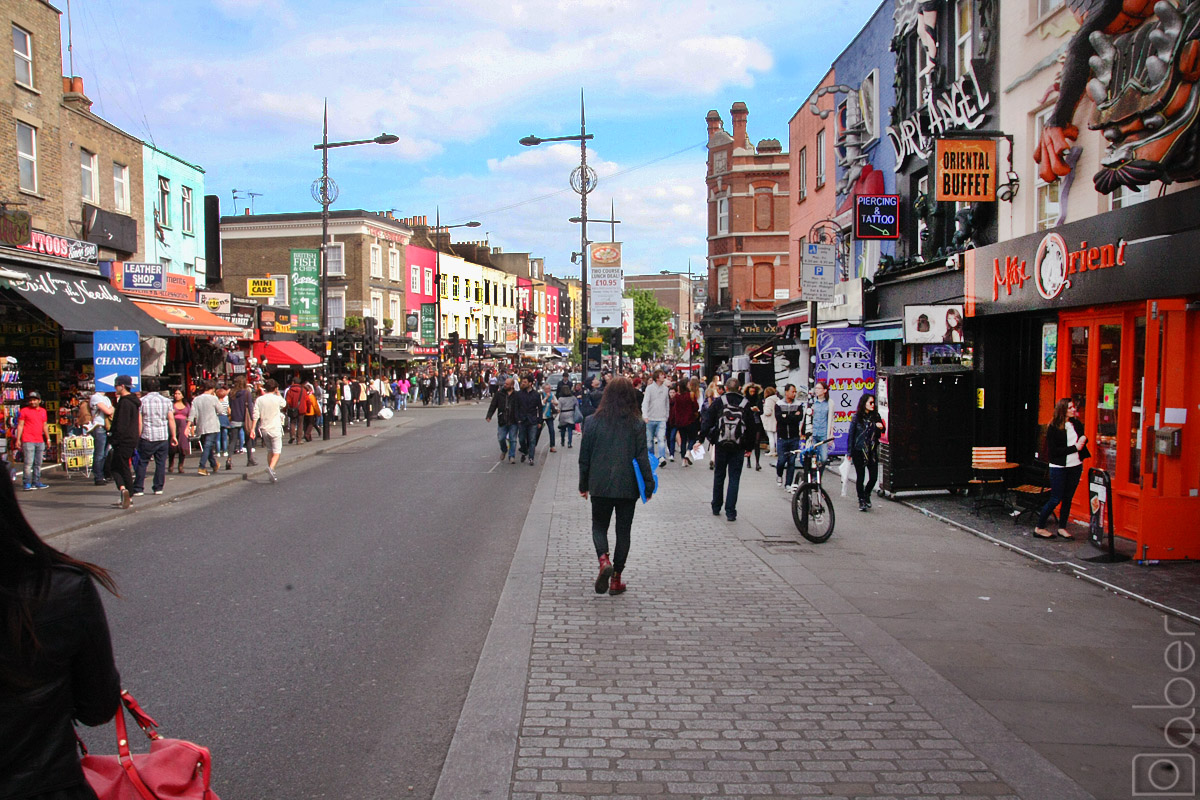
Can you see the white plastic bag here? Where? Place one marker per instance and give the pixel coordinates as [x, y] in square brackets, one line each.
[848, 473]
[698, 451]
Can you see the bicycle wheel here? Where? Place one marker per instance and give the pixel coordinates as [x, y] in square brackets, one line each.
[812, 511]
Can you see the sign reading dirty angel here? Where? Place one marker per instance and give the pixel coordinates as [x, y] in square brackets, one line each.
[305, 297]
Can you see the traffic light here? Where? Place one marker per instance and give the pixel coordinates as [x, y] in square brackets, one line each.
[452, 350]
[479, 345]
[529, 321]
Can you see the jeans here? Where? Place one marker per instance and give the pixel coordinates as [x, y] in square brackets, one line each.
[450, 394]
[671, 431]
[528, 432]
[726, 460]
[507, 434]
[1063, 483]
[158, 451]
[223, 436]
[237, 436]
[687, 438]
[786, 458]
[602, 509]
[208, 450]
[654, 438]
[100, 439]
[33, 452]
[566, 434]
[863, 466]
[401, 401]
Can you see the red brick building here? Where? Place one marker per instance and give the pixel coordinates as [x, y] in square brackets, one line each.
[748, 266]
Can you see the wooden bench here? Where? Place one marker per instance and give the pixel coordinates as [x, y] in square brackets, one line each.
[987, 464]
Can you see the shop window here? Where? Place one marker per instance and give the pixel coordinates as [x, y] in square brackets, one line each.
[335, 259]
[1077, 341]
[89, 180]
[120, 186]
[164, 202]
[185, 216]
[1047, 206]
[27, 157]
[23, 56]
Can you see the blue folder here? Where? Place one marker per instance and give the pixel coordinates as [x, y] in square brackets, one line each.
[641, 480]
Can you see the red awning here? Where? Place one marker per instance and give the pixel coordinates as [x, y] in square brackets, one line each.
[189, 320]
[287, 354]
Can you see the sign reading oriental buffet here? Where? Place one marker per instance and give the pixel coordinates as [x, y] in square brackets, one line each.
[1140, 252]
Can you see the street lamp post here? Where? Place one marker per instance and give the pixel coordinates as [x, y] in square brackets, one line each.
[691, 310]
[583, 181]
[325, 191]
[437, 287]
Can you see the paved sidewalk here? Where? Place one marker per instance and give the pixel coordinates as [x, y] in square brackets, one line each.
[903, 658]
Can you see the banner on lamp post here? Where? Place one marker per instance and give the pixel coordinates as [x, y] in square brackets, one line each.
[305, 298]
[626, 321]
[606, 284]
[428, 322]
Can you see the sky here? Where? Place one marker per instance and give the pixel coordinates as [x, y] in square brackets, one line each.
[237, 86]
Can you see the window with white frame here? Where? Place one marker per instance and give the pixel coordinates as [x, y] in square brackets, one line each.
[27, 157]
[1046, 205]
[802, 174]
[164, 202]
[89, 180]
[335, 258]
[444, 283]
[414, 279]
[428, 281]
[454, 285]
[394, 308]
[393, 264]
[335, 309]
[962, 37]
[376, 261]
[820, 158]
[281, 297]
[23, 56]
[722, 215]
[166, 262]
[1044, 7]
[185, 209]
[377, 306]
[1128, 196]
[120, 186]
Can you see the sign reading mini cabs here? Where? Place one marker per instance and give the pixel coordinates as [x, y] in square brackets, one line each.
[966, 170]
[261, 287]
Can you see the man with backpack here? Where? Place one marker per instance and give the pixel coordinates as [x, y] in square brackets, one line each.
[731, 428]
[296, 406]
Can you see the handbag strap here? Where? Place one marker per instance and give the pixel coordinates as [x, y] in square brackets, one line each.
[124, 757]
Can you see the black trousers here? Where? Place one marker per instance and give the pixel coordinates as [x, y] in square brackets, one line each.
[866, 468]
[602, 511]
[122, 469]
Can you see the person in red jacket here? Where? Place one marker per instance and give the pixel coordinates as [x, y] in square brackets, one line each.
[685, 420]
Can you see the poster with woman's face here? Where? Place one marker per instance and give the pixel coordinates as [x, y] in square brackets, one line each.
[940, 324]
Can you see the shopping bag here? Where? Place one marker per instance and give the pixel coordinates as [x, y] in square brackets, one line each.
[641, 479]
[848, 473]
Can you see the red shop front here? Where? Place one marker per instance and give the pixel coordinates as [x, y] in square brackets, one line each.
[1114, 298]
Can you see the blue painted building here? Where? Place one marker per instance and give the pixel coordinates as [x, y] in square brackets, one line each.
[866, 162]
[174, 213]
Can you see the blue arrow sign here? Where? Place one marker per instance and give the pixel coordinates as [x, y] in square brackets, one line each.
[116, 353]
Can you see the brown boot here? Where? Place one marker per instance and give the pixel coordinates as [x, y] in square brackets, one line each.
[616, 585]
[606, 572]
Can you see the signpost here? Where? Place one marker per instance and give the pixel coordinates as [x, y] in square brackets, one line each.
[305, 281]
[817, 274]
[116, 353]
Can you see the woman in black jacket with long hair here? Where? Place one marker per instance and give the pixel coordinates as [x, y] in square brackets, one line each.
[1067, 448]
[865, 430]
[613, 438]
[56, 660]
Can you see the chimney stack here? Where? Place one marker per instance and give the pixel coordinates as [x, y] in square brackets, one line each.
[73, 93]
[714, 122]
[739, 113]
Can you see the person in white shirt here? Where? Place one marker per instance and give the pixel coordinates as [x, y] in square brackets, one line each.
[102, 411]
[656, 407]
[268, 420]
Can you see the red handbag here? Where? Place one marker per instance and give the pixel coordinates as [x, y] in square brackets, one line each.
[172, 770]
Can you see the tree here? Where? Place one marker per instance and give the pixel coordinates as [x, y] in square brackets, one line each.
[649, 324]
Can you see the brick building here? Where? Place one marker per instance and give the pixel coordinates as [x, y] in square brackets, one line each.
[748, 265]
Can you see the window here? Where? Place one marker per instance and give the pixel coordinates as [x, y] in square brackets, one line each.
[414, 279]
[120, 186]
[962, 37]
[185, 211]
[23, 56]
[802, 174]
[335, 310]
[443, 284]
[1044, 7]
[27, 156]
[723, 215]
[376, 261]
[335, 258]
[164, 202]
[428, 281]
[454, 293]
[166, 262]
[393, 264]
[394, 308]
[820, 158]
[281, 290]
[377, 305]
[1128, 196]
[1047, 206]
[89, 181]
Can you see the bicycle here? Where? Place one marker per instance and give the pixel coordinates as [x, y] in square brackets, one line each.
[812, 509]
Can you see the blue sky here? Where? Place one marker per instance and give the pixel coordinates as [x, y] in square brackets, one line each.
[237, 87]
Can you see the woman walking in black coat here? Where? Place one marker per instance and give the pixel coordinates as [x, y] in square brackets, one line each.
[1067, 448]
[865, 430]
[612, 438]
[56, 660]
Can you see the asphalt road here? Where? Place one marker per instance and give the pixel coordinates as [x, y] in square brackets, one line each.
[320, 634]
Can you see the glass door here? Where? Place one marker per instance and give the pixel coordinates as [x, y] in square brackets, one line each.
[1107, 386]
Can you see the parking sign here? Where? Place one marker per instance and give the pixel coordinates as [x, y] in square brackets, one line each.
[817, 275]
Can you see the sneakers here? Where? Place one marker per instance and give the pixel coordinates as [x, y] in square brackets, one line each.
[606, 571]
[616, 585]
[139, 494]
[522, 458]
[126, 500]
[158, 491]
[862, 505]
[512, 460]
[201, 472]
[274, 477]
[531, 462]
[28, 487]
[672, 459]
[662, 462]
[779, 481]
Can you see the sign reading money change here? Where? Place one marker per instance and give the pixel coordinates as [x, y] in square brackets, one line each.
[305, 299]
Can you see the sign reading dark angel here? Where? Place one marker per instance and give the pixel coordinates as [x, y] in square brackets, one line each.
[1139, 61]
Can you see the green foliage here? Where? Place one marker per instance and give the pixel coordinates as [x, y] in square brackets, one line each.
[649, 324]
[353, 323]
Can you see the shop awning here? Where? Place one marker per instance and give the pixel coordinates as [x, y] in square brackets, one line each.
[189, 320]
[562, 351]
[80, 303]
[287, 354]
[395, 355]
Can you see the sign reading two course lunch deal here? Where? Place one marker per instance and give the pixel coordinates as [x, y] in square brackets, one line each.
[966, 170]
[606, 284]
[306, 290]
[260, 287]
[116, 353]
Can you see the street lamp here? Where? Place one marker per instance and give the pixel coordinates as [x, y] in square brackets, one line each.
[325, 191]
[583, 181]
[437, 287]
[691, 306]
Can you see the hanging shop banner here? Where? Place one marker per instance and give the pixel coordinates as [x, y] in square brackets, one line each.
[511, 337]
[15, 227]
[305, 281]
[137, 277]
[606, 284]
[219, 303]
[275, 320]
[844, 362]
[429, 323]
[52, 244]
[966, 170]
[877, 216]
[116, 353]
[817, 272]
[261, 287]
[627, 321]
